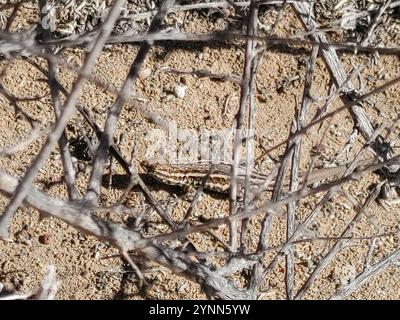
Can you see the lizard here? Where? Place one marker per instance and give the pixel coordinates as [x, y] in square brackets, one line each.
[217, 177]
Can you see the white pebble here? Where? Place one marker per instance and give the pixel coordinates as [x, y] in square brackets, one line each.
[144, 73]
[27, 242]
[180, 91]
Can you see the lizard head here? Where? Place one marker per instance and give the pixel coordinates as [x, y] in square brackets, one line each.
[149, 165]
[146, 165]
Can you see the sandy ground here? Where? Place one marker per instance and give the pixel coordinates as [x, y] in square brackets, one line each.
[81, 261]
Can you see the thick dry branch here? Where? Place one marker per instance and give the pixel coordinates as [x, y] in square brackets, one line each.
[25, 42]
[13, 43]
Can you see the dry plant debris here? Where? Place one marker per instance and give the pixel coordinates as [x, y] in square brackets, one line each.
[192, 149]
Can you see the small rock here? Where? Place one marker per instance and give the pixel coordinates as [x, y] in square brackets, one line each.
[144, 73]
[27, 242]
[44, 239]
[180, 91]
[168, 98]
[97, 255]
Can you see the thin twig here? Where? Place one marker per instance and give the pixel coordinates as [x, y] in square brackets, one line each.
[69, 171]
[239, 121]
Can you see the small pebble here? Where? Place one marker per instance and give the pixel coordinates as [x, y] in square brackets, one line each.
[27, 242]
[180, 91]
[144, 73]
[44, 239]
